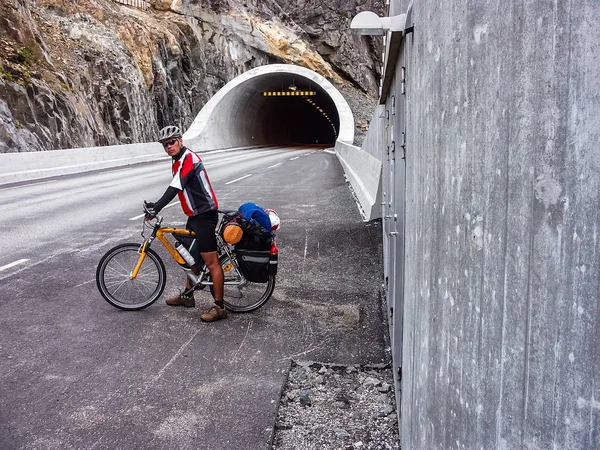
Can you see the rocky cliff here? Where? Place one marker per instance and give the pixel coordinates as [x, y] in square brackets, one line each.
[78, 73]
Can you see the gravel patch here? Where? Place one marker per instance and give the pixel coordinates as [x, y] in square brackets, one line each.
[328, 406]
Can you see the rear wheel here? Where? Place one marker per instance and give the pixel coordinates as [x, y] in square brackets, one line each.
[245, 297]
[116, 286]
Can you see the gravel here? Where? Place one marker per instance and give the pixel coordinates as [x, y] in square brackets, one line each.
[337, 407]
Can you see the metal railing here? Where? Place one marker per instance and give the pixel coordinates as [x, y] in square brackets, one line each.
[142, 4]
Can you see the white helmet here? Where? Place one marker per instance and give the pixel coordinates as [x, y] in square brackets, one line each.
[168, 132]
[275, 222]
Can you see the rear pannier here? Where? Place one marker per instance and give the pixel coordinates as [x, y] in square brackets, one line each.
[255, 264]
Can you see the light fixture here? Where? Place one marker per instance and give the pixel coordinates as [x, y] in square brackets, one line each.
[370, 24]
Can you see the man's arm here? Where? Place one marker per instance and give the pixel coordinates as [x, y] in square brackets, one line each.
[154, 208]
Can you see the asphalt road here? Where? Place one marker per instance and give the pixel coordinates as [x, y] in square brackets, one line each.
[77, 373]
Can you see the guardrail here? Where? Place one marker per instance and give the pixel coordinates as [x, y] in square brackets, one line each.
[142, 4]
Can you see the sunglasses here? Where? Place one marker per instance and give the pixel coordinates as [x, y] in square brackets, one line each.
[171, 142]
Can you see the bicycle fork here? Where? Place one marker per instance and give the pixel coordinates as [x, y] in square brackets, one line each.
[138, 266]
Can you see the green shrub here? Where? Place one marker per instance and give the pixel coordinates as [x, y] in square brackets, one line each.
[24, 55]
[6, 75]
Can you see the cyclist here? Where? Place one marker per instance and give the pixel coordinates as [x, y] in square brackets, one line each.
[199, 203]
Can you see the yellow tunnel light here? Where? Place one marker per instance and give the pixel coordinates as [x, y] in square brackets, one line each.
[289, 93]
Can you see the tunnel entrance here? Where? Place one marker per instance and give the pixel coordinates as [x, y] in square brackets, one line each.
[295, 110]
[277, 104]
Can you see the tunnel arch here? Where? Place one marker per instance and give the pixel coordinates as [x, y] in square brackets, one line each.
[276, 104]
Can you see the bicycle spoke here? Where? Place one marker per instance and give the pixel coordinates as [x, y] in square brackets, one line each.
[118, 285]
[125, 270]
[116, 272]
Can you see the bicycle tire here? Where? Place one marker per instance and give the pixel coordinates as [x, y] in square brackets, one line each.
[246, 298]
[115, 286]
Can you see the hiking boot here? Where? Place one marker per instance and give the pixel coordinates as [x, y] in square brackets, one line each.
[213, 314]
[181, 300]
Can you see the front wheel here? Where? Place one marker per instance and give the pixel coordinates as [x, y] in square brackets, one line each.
[247, 297]
[117, 287]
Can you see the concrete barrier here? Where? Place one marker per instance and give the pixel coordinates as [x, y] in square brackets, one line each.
[363, 166]
[15, 167]
[363, 171]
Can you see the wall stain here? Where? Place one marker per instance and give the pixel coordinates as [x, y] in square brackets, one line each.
[547, 190]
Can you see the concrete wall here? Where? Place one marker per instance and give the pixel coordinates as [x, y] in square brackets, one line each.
[501, 329]
[375, 140]
[16, 167]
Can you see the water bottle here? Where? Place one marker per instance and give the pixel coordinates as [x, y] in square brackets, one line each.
[189, 259]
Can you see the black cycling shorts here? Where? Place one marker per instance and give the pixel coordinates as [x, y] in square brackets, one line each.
[204, 226]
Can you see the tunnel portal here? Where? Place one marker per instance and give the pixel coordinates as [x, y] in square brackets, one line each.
[274, 105]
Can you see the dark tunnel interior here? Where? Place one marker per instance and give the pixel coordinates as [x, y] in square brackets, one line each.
[276, 109]
[295, 118]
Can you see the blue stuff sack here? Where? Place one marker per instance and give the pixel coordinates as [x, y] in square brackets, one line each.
[255, 215]
[256, 224]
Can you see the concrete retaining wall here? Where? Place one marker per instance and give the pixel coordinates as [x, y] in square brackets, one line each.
[501, 315]
[15, 167]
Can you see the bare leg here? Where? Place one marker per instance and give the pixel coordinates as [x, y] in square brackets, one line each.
[211, 259]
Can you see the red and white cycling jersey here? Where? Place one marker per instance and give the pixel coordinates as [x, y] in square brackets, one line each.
[190, 178]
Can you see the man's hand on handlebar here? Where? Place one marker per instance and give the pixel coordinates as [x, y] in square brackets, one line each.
[149, 211]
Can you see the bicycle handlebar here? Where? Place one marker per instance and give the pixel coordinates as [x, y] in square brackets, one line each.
[150, 215]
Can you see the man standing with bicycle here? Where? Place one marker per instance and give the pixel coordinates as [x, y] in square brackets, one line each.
[199, 203]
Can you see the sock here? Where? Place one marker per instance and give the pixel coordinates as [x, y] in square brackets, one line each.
[220, 304]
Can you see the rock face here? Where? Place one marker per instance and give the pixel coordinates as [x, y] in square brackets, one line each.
[78, 73]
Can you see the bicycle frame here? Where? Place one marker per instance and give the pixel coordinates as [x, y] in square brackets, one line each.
[161, 232]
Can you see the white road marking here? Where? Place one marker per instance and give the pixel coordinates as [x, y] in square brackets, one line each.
[274, 165]
[12, 264]
[329, 151]
[296, 157]
[168, 206]
[238, 179]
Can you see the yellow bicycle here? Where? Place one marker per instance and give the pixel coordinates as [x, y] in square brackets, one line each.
[132, 276]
